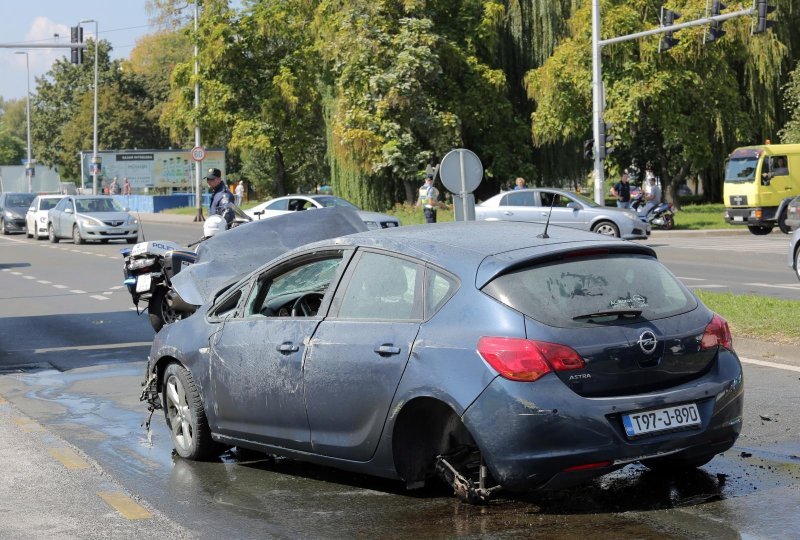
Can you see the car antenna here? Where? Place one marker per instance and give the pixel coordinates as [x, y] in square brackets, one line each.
[550, 213]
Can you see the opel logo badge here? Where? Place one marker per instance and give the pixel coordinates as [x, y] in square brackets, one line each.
[647, 342]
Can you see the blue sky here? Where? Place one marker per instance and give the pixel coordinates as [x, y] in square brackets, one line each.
[120, 22]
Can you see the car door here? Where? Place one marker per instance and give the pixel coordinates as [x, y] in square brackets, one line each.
[58, 216]
[521, 205]
[358, 354]
[557, 206]
[257, 362]
[30, 216]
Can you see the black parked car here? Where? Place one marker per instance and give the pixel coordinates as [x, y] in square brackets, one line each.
[425, 351]
[13, 207]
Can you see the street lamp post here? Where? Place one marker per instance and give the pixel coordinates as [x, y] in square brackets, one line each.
[95, 159]
[29, 163]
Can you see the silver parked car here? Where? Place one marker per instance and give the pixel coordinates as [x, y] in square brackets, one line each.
[296, 203]
[794, 252]
[91, 217]
[569, 209]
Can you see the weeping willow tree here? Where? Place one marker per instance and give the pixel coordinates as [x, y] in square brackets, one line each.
[684, 110]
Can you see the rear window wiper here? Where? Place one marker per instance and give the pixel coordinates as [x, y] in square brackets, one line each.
[618, 313]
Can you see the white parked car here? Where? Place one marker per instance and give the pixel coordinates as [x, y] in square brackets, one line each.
[296, 203]
[36, 217]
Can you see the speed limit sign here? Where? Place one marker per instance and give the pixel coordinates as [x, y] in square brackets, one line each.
[198, 153]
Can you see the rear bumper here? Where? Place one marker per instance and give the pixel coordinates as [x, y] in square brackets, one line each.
[530, 433]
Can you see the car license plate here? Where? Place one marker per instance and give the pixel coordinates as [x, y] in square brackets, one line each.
[661, 420]
[143, 283]
[114, 231]
[738, 218]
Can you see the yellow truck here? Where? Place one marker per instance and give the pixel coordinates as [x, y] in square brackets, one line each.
[759, 183]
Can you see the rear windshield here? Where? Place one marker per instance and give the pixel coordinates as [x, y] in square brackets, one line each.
[565, 293]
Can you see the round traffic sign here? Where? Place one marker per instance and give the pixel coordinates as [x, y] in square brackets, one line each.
[198, 153]
[452, 174]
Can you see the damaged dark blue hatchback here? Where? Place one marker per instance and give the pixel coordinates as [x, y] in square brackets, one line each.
[479, 353]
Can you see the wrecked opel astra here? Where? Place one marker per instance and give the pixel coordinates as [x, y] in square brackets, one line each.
[487, 354]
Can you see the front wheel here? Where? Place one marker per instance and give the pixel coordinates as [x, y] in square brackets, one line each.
[759, 230]
[669, 222]
[77, 239]
[51, 234]
[607, 228]
[186, 418]
[160, 312]
[3, 226]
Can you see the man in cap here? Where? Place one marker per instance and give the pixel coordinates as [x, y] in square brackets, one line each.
[221, 196]
[428, 199]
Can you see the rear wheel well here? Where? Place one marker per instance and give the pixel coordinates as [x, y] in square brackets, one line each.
[424, 429]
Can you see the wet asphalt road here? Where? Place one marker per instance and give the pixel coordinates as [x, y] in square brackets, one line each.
[74, 362]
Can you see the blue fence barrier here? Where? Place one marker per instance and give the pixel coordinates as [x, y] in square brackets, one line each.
[159, 203]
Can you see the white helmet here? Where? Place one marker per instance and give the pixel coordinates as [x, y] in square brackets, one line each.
[213, 225]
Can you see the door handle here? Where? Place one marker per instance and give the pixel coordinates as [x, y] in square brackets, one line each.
[507, 213]
[387, 349]
[288, 347]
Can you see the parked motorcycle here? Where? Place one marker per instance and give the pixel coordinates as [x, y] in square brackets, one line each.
[660, 216]
[150, 267]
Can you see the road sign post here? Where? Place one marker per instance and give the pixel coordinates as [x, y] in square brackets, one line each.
[461, 172]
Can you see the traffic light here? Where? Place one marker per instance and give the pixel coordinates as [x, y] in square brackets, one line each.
[716, 30]
[606, 140]
[76, 36]
[668, 19]
[588, 150]
[762, 24]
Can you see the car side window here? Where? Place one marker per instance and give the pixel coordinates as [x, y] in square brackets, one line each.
[294, 291]
[560, 201]
[383, 288]
[278, 205]
[521, 198]
[438, 290]
[779, 165]
[227, 307]
[64, 204]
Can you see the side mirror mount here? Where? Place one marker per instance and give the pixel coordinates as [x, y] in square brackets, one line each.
[68, 211]
[574, 206]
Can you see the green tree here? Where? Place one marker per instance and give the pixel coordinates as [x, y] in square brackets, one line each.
[682, 109]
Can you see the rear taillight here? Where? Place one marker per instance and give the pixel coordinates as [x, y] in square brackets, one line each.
[527, 360]
[717, 334]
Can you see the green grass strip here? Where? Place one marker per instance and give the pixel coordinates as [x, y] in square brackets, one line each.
[756, 317]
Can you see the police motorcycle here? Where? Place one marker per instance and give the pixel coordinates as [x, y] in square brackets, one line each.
[150, 267]
[660, 216]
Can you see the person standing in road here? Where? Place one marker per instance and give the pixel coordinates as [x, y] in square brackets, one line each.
[239, 193]
[428, 199]
[221, 196]
[126, 187]
[520, 183]
[622, 191]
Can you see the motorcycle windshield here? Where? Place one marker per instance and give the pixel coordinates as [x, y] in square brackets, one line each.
[229, 254]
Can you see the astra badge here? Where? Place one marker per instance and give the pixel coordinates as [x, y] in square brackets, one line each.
[647, 342]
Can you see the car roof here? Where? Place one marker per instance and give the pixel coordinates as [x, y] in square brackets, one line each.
[502, 245]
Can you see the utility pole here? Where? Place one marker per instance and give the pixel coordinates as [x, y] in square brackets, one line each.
[95, 168]
[598, 99]
[197, 164]
[29, 169]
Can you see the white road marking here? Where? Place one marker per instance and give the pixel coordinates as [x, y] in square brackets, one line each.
[6, 270]
[108, 292]
[60, 286]
[99, 297]
[28, 277]
[77, 291]
[17, 273]
[707, 286]
[770, 364]
[114, 288]
[792, 287]
[44, 282]
[692, 279]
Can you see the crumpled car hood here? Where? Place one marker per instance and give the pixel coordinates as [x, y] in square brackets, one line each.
[229, 254]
